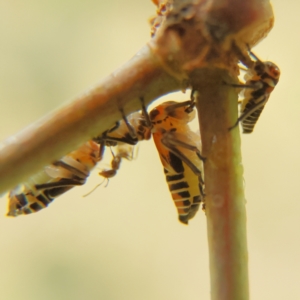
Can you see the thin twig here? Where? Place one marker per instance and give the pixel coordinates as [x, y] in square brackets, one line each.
[225, 201]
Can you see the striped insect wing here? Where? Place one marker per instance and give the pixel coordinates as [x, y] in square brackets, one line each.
[42, 188]
[25, 203]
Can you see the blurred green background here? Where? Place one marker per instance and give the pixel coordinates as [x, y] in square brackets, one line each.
[124, 241]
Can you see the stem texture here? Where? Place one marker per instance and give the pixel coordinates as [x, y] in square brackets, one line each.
[225, 201]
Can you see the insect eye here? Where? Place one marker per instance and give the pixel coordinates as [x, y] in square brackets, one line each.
[141, 128]
[275, 72]
[259, 68]
[154, 113]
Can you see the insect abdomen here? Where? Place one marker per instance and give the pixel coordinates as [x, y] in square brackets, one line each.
[186, 202]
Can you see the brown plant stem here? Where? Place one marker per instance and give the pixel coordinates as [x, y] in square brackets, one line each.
[94, 112]
[225, 201]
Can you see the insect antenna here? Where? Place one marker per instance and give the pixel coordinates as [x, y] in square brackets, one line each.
[91, 191]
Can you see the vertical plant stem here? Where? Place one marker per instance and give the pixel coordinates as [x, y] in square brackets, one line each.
[225, 201]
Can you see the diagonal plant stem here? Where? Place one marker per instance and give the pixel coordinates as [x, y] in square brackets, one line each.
[225, 201]
[67, 128]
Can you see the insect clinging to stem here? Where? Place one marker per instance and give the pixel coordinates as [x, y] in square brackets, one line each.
[179, 150]
[54, 180]
[178, 147]
[261, 80]
[74, 168]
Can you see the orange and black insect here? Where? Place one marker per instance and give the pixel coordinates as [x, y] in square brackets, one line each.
[261, 80]
[178, 147]
[179, 150]
[54, 180]
[74, 168]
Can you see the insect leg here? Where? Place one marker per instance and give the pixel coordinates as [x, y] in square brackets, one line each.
[191, 107]
[145, 113]
[115, 140]
[172, 107]
[61, 183]
[170, 141]
[235, 124]
[101, 150]
[129, 137]
[73, 170]
[117, 125]
[256, 86]
[100, 138]
[130, 128]
[253, 55]
[243, 55]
